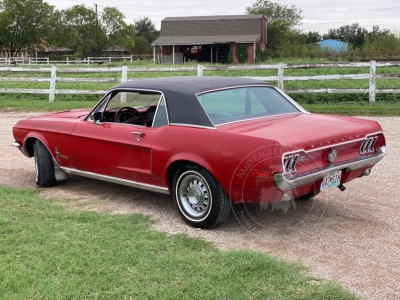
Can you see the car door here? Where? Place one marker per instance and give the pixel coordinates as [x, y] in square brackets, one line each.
[111, 148]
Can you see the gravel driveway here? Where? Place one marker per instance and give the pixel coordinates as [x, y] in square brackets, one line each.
[352, 237]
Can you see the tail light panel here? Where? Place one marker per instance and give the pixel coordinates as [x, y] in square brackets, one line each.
[368, 145]
[289, 163]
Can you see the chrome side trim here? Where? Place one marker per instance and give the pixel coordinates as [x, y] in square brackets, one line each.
[288, 183]
[15, 144]
[257, 118]
[195, 126]
[135, 184]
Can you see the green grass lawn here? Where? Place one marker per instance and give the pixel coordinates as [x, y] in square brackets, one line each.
[49, 252]
[355, 109]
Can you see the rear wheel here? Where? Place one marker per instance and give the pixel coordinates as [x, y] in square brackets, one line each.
[44, 166]
[200, 200]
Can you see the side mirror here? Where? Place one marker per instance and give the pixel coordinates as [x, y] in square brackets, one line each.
[98, 117]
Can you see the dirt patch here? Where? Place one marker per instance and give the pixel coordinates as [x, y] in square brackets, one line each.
[352, 237]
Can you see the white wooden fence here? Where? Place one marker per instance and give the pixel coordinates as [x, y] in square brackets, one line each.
[67, 61]
[200, 69]
[88, 60]
[8, 60]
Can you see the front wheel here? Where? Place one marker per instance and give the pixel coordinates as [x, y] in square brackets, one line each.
[44, 165]
[200, 200]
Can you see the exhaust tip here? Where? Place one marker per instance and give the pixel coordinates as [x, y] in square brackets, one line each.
[287, 196]
[367, 172]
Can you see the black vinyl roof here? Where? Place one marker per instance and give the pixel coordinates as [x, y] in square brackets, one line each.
[180, 94]
[189, 84]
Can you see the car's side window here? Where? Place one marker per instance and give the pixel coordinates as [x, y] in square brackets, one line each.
[133, 99]
[161, 118]
[130, 107]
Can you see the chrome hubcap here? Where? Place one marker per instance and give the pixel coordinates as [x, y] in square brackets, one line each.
[194, 195]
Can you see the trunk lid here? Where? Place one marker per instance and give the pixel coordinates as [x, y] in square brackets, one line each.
[305, 130]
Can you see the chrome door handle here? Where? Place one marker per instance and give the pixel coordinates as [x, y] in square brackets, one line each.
[139, 134]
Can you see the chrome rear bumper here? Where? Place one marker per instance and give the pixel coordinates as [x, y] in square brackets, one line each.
[287, 183]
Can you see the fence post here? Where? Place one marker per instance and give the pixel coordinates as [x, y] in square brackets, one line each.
[124, 78]
[67, 61]
[372, 82]
[48, 60]
[280, 75]
[88, 60]
[131, 58]
[53, 83]
[29, 60]
[200, 70]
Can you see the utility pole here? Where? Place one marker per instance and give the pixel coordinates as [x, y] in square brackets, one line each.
[97, 25]
[97, 16]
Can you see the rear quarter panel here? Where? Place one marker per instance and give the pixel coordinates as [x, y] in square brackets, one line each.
[227, 156]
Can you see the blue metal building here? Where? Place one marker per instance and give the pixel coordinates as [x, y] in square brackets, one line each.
[334, 45]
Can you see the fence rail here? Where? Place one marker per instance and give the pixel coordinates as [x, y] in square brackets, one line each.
[200, 69]
[11, 60]
[67, 61]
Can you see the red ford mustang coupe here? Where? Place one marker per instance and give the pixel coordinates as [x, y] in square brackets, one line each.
[207, 141]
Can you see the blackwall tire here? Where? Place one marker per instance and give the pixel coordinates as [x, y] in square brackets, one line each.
[44, 166]
[199, 199]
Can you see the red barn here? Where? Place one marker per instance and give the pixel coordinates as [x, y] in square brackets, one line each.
[209, 38]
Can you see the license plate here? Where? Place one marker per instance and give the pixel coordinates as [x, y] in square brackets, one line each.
[331, 180]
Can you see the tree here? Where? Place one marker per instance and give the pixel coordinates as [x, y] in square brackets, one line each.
[125, 37]
[291, 14]
[146, 28]
[382, 40]
[281, 20]
[313, 37]
[24, 24]
[81, 30]
[116, 30]
[142, 45]
[353, 34]
[85, 32]
[377, 33]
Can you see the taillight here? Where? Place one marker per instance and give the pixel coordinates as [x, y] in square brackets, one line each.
[368, 145]
[289, 163]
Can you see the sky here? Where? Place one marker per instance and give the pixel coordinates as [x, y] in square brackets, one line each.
[318, 15]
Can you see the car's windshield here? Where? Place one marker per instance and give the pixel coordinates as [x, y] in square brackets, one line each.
[237, 104]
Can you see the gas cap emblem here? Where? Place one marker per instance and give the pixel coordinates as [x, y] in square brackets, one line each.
[332, 155]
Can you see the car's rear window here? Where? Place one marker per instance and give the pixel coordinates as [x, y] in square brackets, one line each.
[237, 104]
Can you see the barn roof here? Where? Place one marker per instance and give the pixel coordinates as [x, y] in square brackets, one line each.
[209, 30]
